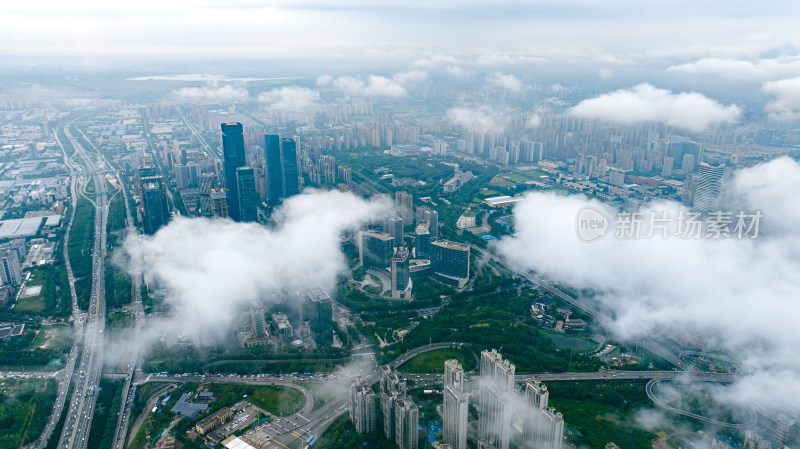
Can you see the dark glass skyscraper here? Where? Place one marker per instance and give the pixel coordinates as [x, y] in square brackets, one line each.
[234, 157]
[272, 154]
[154, 204]
[289, 153]
[248, 198]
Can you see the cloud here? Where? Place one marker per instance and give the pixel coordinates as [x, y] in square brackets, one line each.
[643, 103]
[324, 80]
[291, 98]
[375, 85]
[212, 269]
[211, 94]
[482, 119]
[733, 294]
[509, 82]
[786, 105]
[413, 76]
[605, 73]
[454, 70]
[435, 61]
[741, 70]
[533, 121]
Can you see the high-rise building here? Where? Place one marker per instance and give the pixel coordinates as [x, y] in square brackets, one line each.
[551, 430]
[422, 240]
[234, 157]
[155, 211]
[403, 206]
[536, 396]
[421, 214]
[10, 272]
[401, 282]
[432, 217]
[709, 187]
[375, 250]
[497, 386]
[319, 313]
[392, 390]
[363, 412]
[406, 424]
[248, 198]
[455, 408]
[272, 154]
[291, 184]
[450, 262]
[394, 227]
[687, 164]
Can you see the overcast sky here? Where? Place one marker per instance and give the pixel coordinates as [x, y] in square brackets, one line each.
[615, 29]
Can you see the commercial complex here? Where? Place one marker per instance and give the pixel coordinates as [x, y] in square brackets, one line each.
[233, 157]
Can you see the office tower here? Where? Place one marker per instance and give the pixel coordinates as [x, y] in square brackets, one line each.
[362, 408]
[394, 227]
[258, 322]
[406, 424]
[289, 156]
[421, 214]
[497, 384]
[319, 313]
[272, 154]
[403, 203]
[19, 246]
[10, 273]
[422, 241]
[450, 262]
[687, 164]
[154, 204]
[432, 217]
[375, 250]
[455, 408]
[219, 202]
[234, 157]
[709, 187]
[400, 276]
[248, 198]
[205, 183]
[144, 171]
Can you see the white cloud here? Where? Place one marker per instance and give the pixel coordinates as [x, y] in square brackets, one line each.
[211, 94]
[454, 70]
[375, 85]
[290, 98]
[605, 73]
[435, 61]
[213, 270]
[413, 76]
[736, 294]
[533, 121]
[324, 80]
[483, 118]
[786, 105]
[741, 70]
[691, 111]
[509, 82]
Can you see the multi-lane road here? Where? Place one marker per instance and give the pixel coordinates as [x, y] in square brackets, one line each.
[75, 433]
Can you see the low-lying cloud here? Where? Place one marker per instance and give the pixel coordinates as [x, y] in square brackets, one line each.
[290, 98]
[227, 93]
[509, 82]
[643, 103]
[374, 86]
[482, 118]
[786, 105]
[213, 269]
[736, 295]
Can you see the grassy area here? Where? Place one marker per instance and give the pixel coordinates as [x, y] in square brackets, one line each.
[81, 240]
[598, 412]
[278, 400]
[105, 413]
[31, 304]
[24, 408]
[56, 337]
[576, 344]
[433, 361]
[324, 392]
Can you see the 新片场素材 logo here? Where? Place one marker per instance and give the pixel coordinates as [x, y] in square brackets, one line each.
[592, 224]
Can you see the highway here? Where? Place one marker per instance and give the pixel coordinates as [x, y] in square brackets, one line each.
[134, 359]
[87, 378]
